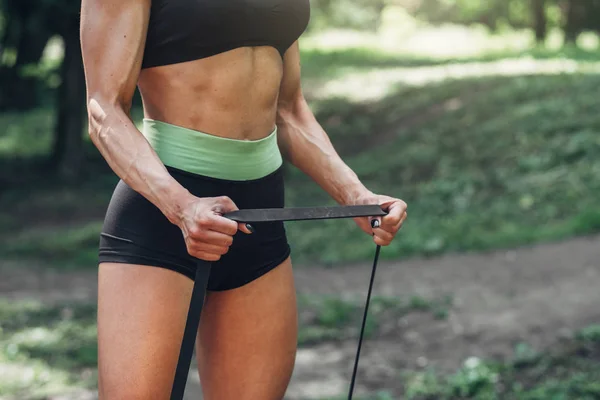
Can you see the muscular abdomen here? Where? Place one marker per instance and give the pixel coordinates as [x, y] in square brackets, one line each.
[233, 94]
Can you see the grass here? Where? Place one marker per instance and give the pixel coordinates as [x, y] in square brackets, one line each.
[46, 349]
[50, 349]
[483, 163]
[570, 372]
[334, 318]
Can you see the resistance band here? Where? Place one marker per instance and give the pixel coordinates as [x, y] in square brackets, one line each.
[203, 272]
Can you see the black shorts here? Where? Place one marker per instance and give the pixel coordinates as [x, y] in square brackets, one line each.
[136, 232]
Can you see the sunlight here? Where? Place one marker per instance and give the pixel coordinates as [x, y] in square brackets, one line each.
[378, 83]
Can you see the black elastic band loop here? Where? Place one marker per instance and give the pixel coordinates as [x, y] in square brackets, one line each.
[203, 271]
[364, 322]
[190, 332]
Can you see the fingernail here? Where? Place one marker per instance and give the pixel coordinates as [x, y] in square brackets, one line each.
[250, 228]
[374, 223]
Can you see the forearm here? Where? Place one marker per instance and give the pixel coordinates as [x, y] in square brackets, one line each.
[305, 144]
[132, 158]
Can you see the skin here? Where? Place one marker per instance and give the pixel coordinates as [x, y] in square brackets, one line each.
[247, 340]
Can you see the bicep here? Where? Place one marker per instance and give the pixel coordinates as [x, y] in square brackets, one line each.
[113, 35]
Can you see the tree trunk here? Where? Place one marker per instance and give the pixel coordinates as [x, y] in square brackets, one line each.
[539, 20]
[29, 52]
[572, 27]
[67, 155]
[20, 92]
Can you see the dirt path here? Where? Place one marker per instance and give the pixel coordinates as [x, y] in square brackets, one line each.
[536, 295]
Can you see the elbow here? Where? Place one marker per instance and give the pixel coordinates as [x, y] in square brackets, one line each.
[292, 108]
[99, 113]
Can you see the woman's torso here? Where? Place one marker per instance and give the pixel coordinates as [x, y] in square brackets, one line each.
[216, 65]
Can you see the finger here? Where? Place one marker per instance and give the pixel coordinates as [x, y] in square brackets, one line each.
[395, 211]
[212, 237]
[246, 228]
[224, 204]
[204, 256]
[396, 227]
[200, 247]
[400, 223]
[381, 242]
[383, 235]
[223, 225]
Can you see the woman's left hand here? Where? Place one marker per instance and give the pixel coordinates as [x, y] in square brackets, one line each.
[384, 228]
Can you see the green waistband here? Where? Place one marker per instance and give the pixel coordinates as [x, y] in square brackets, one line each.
[213, 156]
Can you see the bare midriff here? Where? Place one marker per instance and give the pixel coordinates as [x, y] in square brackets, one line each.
[231, 95]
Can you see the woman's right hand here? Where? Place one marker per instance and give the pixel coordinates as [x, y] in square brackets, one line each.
[207, 233]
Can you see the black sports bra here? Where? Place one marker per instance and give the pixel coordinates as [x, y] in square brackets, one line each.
[186, 30]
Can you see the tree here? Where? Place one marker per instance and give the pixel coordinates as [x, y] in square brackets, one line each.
[574, 12]
[67, 154]
[540, 22]
[30, 24]
[25, 33]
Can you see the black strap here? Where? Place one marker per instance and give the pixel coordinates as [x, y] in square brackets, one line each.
[304, 213]
[203, 271]
[364, 322]
[191, 329]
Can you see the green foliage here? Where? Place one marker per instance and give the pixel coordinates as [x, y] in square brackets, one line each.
[335, 311]
[25, 136]
[350, 14]
[46, 349]
[73, 243]
[334, 318]
[524, 355]
[569, 372]
[590, 334]
[482, 162]
[475, 378]
[494, 14]
[381, 395]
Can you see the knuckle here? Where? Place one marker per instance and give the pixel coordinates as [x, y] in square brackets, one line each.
[232, 230]
[203, 222]
[224, 200]
[194, 232]
[226, 204]
[228, 228]
[193, 251]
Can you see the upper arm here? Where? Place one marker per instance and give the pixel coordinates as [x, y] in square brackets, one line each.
[113, 36]
[290, 91]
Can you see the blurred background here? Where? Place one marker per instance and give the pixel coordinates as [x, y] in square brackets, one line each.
[482, 115]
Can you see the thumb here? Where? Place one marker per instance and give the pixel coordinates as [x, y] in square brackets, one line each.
[384, 203]
[246, 228]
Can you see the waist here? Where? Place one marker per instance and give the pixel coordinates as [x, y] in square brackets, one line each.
[213, 156]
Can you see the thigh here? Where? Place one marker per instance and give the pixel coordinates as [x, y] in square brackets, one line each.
[141, 317]
[247, 338]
